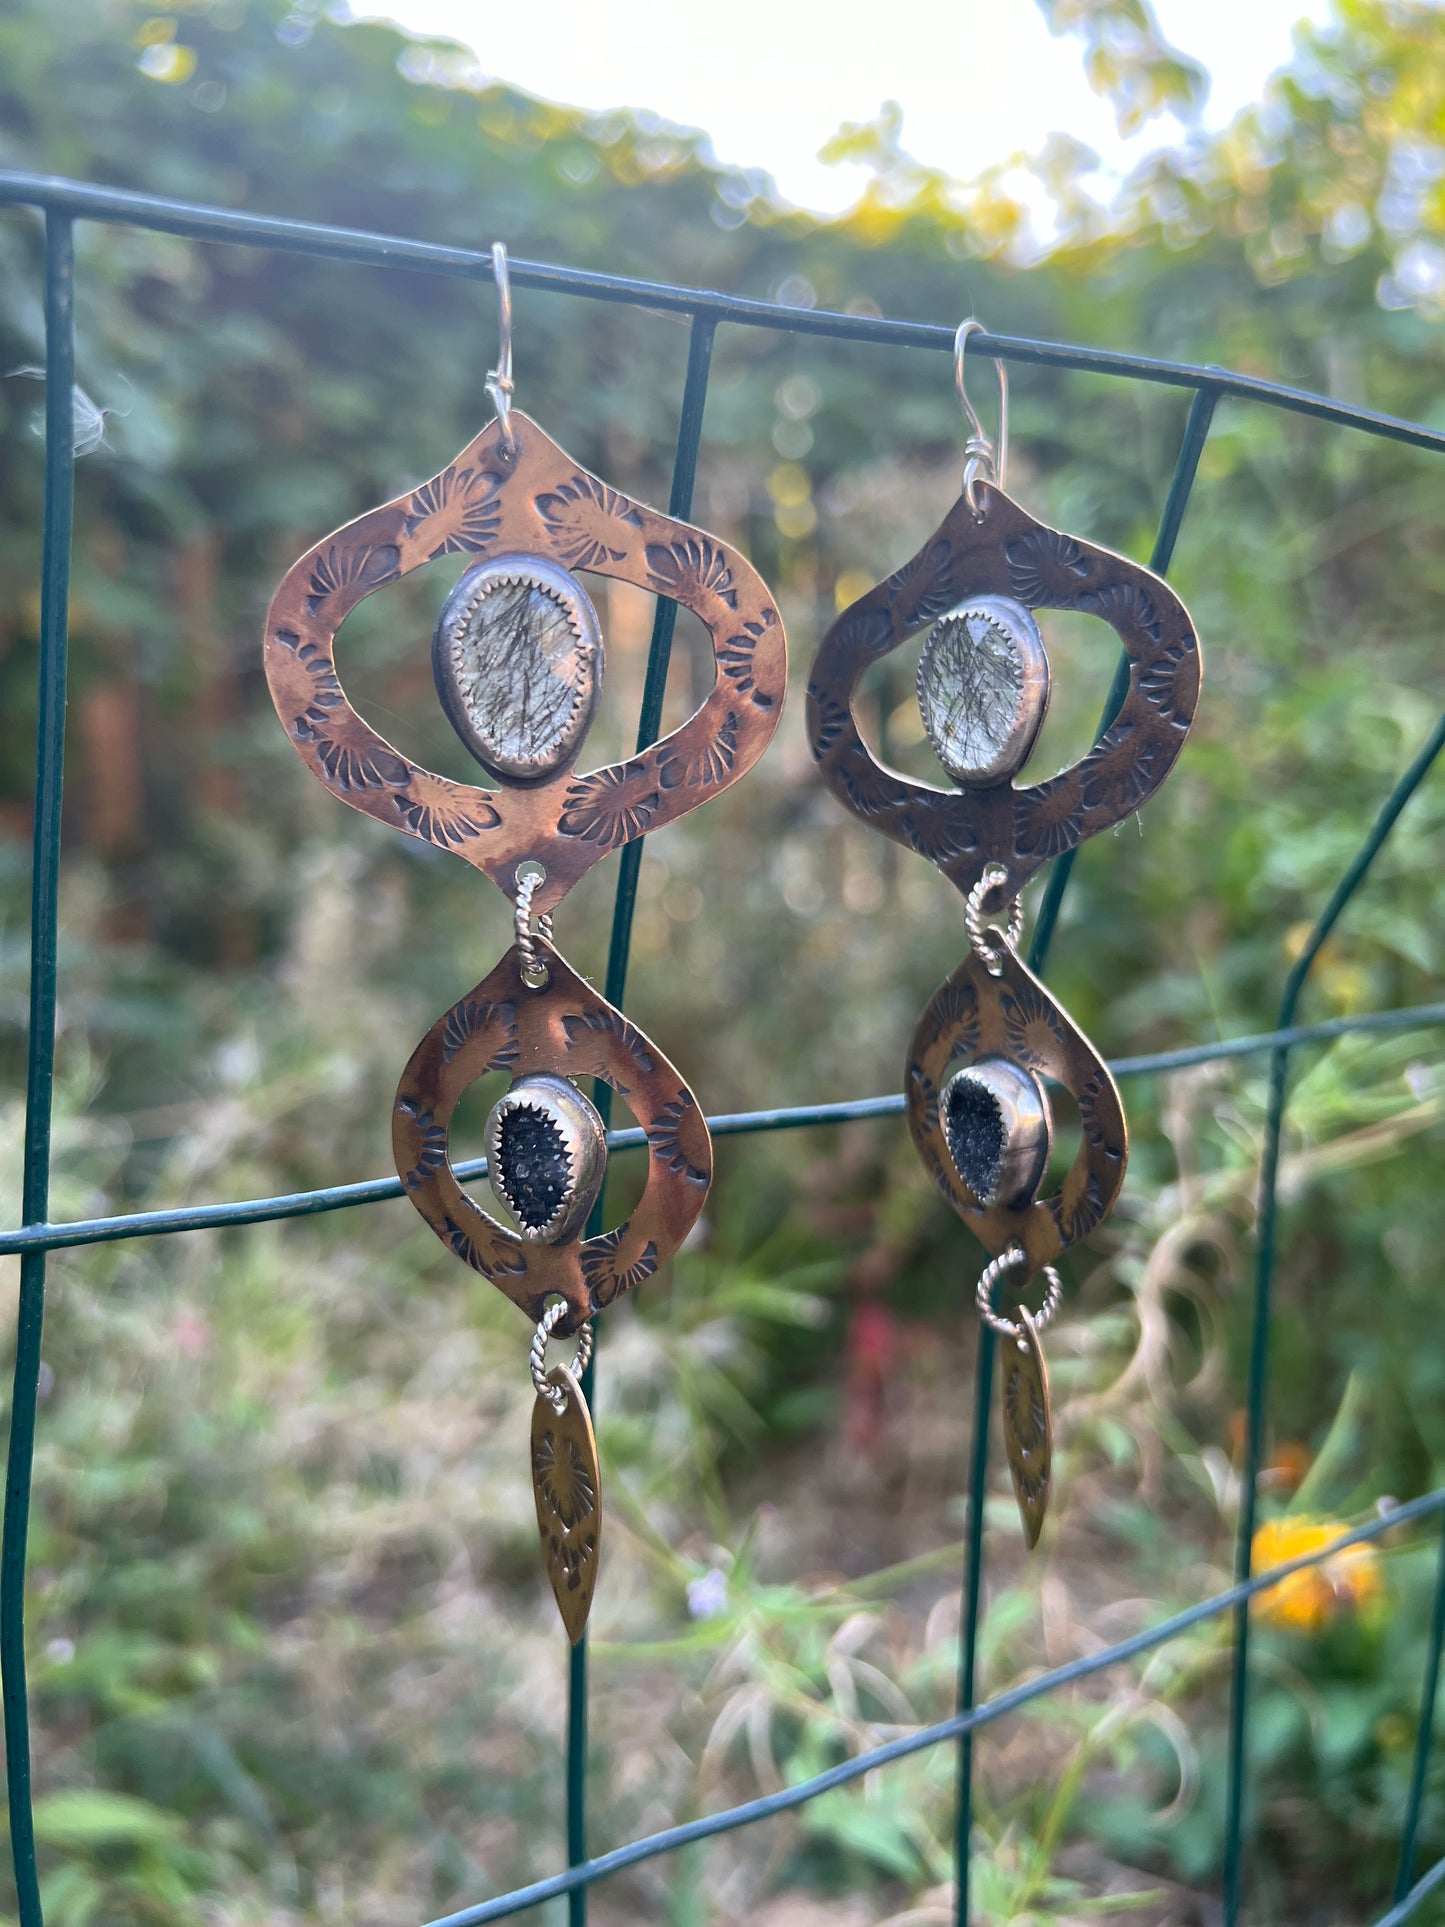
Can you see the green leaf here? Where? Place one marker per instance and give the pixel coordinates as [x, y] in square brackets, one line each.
[71, 1896]
[869, 1830]
[96, 1818]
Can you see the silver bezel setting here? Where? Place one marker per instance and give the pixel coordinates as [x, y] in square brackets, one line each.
[462, 606]
[1027, 1124]
[1017, 624]
[584, 1142]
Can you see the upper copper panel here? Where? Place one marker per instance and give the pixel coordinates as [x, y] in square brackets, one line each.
[537, 502]
[1009, 554]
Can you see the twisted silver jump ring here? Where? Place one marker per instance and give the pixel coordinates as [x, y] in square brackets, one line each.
[1012, 1260]
[533, 970]
[537, 1357]
[989, 953]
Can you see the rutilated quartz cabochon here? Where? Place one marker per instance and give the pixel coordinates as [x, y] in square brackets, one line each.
[983, 688]
[517, 656]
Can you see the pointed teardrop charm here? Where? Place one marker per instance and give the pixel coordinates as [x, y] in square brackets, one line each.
[567, 1486]
[1027, 1423]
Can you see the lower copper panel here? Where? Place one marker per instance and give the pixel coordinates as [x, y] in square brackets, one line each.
[566, 1028]
[975, 1015]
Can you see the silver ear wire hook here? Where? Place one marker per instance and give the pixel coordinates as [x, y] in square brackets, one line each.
[983, 461]
[499, 379]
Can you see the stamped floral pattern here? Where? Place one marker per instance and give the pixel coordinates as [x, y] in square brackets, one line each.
[541, 503]
[501, 1025]
[1012, 823]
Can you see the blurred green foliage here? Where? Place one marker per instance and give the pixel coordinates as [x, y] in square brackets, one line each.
[292, 1657]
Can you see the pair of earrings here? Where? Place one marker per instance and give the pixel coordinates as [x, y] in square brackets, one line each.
[518, 660]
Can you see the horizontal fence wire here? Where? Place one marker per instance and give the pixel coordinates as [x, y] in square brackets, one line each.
[1409, 1904]
[771, 1805]
[118, 205]
[62, 202]
[342, 1197]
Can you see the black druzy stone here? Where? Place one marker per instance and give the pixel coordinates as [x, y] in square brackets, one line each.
[533, 1165]
[973, 1124]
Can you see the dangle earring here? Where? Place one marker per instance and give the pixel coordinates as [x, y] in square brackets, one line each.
[518, 657]
[978, 1110]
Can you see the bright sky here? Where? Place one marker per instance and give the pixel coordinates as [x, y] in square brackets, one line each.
[772, 80]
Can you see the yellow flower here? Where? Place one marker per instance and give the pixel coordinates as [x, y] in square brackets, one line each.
[1349, 1582]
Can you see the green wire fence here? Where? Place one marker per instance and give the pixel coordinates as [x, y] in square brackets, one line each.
[61, 203]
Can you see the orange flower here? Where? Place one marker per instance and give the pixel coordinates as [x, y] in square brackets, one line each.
[1286, 1470]
[1349, 1582]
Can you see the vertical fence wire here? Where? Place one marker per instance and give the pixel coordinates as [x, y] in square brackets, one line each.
[40, 1066]
[1425, 1734]
[619, 949]
[1344, 890]
[968, 1633]
[1181, 484]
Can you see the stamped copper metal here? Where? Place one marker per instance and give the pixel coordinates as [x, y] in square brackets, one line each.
[567, 1488]
[535, 502]
[976, 1016]
[1007, 553]
[571, 1032]
[1028, 1430]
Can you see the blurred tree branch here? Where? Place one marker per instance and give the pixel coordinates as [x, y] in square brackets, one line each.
[1128, 60]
